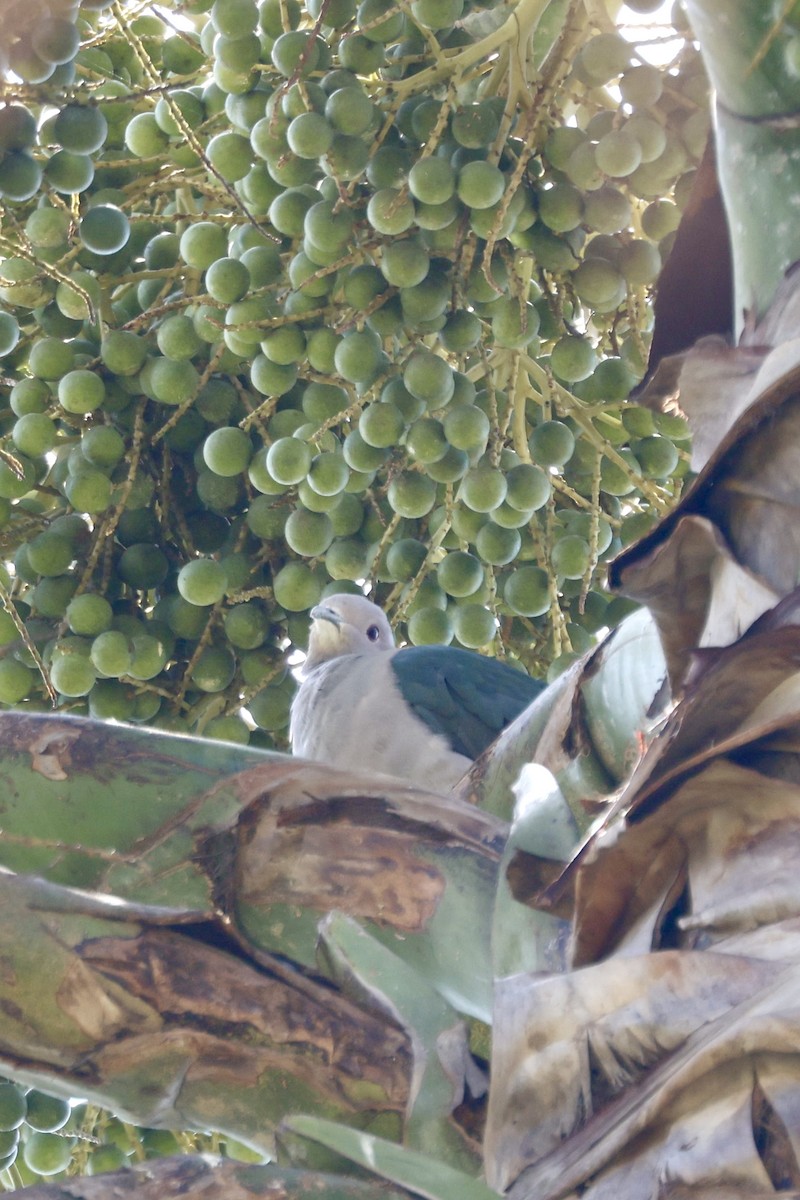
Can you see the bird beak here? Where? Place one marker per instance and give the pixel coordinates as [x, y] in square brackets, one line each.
[320, 612]
[324, 638]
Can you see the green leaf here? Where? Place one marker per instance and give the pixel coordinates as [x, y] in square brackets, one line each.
[525, 939]
[368, 970]
[619, 694]
[409, 867]
[494, 774]
[121, 1004]
[420, 1174]
[80, 796]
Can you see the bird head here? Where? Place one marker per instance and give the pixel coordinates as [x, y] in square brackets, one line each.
[345, 624]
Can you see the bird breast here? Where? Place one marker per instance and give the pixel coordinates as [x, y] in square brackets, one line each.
[350, 713]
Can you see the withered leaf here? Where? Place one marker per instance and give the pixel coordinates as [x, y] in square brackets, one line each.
[589, 1061]
[748, 490]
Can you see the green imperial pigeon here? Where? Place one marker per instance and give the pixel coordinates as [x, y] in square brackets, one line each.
[421, 713]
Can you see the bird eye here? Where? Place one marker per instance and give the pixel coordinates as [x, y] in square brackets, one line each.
[373, 633]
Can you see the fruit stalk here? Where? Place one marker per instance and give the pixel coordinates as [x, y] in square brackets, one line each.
[518, 28]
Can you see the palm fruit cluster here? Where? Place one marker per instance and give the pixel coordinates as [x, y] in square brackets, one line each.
[45, 1137]
[293, 297]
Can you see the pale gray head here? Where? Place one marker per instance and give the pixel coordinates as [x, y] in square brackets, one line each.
[345, 624]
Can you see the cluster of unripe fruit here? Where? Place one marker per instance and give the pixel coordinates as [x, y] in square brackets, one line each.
[286, 305]
[45, 1137]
